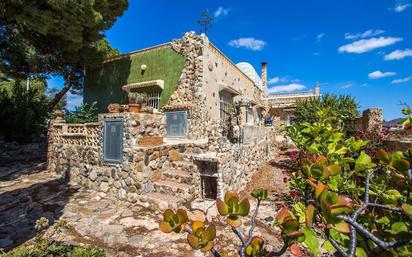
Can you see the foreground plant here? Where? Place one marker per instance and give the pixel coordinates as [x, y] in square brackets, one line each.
[357, 199]
[201, 237]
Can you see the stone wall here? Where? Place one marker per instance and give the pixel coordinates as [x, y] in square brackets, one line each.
[371, 119]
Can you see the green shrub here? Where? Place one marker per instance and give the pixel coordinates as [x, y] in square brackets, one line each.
[82, 114]
[23, 113]
[56, 250]
[344, 108]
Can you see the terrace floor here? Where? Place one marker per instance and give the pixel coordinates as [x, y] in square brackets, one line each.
[121, 228]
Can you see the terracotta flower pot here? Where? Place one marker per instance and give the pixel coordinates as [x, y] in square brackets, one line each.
[113, 108]
[134, 107]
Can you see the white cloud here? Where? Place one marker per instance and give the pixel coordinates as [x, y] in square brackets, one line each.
[221, 11]
[366, 45]
[398, 54]
[249, 43]
[366, 34]
[320, 36]
[401, 7]
[379, 74]
[277, 80]
[404, 80]
[286, 88]
[346, 86]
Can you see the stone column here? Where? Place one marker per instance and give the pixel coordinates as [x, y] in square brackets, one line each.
[264, 73]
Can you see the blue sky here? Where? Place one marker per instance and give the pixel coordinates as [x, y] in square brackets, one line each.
[362, 48]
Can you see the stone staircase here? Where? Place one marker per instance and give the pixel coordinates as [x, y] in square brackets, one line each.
[176, 186]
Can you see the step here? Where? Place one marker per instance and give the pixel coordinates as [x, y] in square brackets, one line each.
[172, 188]
[166, 201]
[178, 175]
[185, 165]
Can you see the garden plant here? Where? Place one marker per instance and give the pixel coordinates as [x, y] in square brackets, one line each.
[347, 201]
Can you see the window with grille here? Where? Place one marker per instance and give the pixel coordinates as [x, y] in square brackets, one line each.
[154, 99]
[176, 124]
[226, 104]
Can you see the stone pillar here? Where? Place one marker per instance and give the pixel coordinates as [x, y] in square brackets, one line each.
[372, 119]
[264, 73]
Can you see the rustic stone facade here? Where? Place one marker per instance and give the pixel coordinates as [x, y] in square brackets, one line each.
[169, 171]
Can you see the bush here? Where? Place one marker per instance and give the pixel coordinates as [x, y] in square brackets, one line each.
[344, 108]
[82, 114]
[351, 204]
[23, 113]
[56, 250]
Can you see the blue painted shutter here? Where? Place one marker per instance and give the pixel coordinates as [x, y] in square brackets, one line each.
[113, 141]
[176, 124]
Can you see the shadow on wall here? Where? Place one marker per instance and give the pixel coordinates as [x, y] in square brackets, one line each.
[21, 207]
[104, 85]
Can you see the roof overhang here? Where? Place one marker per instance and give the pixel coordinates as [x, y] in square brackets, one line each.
[151, 83]
[225, 87]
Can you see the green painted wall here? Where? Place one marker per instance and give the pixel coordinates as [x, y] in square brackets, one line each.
[104, 85]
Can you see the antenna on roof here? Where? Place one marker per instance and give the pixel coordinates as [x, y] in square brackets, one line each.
[205, 22]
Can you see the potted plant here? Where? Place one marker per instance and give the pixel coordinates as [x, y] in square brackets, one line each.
[135, 102]
[114, 108]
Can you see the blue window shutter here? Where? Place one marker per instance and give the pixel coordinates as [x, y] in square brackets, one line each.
[113, 141]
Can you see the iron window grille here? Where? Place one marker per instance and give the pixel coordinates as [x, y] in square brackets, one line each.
[154, 100]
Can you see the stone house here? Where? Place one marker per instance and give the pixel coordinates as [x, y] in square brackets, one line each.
[206, 136]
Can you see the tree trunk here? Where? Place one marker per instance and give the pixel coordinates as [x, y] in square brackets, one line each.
[60, 94]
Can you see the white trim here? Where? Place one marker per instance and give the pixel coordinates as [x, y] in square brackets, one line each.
[158, 82]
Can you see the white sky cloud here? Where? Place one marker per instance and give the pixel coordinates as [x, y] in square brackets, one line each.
[398, 54]
[320, 36]
[366, 45]
[249, 43]
[277, 80]
[404, 80]
[220, 11]
[401, 7]
[366, 34]
[286, 88]
[346, 86]
[379, 74]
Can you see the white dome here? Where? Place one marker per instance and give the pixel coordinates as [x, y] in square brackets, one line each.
[248, 69]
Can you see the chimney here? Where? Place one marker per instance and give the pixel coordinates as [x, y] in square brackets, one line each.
[264, 73]
[317, 89]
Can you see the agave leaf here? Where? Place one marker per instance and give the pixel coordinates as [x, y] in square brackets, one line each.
[165, 227]
[207, 248]
[222, 207]
[407, 208]
[233, 204]
[316, 170]
[319, 189]
[341, 227]
[321, 159]
[196, 225]
[294, 234]
[168, 214]
[290, 225]
[333, 169]
[383, 156]
[244, 208]
[310, 215]
[193, 241]
[182, 215]
[282, 214]
[210, 233]
[234, 221]
[229, 195]
[295, 250]
[400, 165]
